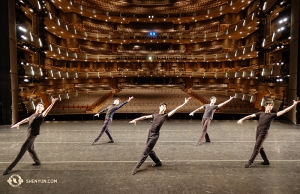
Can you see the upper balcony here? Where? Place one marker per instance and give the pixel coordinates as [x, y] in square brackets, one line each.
[124, 12]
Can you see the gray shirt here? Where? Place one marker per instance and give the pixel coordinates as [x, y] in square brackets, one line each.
[209, 111]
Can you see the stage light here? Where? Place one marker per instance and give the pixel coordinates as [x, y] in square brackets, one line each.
[22, 29]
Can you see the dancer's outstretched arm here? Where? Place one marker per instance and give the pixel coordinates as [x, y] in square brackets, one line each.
[130, 98]
[120, 106]
[178, 107]
[19, 123]
[192, 113]
[245, 118]
[140, 118]
[49, 107]
[222, 104]
[288, 108]
[101, 111]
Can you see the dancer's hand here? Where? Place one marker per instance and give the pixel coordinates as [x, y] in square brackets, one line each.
[130, 98]
[54, 100]
[96, 115]
[191, 114]
[187, 99]
[15, 125]
[240, 122]
[295, 102]
[133, 121]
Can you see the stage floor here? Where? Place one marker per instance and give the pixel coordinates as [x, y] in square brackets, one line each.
[70, 164]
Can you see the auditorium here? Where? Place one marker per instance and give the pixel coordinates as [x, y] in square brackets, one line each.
[200, 82]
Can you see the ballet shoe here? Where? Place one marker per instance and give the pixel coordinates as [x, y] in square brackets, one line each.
[36, 164]
[134, 171]
[265, 163]
[157, 164]
[248, 165]
[6, 171]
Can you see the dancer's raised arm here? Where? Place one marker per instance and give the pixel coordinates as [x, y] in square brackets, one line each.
[222, 104]
[288, 108]
[49, 107]
[178, 107]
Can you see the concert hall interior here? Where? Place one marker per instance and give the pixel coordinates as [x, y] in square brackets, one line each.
[87, 53]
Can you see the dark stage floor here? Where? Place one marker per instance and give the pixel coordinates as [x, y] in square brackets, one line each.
[70, 164]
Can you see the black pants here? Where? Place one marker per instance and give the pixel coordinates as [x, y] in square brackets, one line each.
[205, 124]
[105, 129]
[27, 146]
[151, 141]
[261, 136]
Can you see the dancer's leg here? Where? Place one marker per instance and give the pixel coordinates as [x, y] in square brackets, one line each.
[33, 155]
[29, 141]
[205, 124]
[261, 137]
[105, 126]
[155, 159]
[149, 147]
[109, 135]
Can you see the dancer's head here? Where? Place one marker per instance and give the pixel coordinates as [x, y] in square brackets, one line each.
[116, 101]
[39, 107]
[269, 105]
[213, 99]
[162, 107]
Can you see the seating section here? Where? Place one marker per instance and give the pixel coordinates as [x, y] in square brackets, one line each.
[81, 103]
[147, 52]
[216, 49]
[147, 100]
[94, 50]
[96, 28]
[179, 8]
[210, 27]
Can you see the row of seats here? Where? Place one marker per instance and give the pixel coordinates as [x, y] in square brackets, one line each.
[149, 52]
[57, 110]
[79, 104]
[216, 49]
[96, 28]
[106, 29]
[132, 9]
[147, 100]
[95, 50]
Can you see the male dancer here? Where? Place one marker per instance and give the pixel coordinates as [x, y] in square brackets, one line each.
[208, 116]
[35, 121]
[110, 110]
[264, 122]
[153, 135]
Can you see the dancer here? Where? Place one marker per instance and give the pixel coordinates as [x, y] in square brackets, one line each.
[264, 122]
[153, 135]
[208, 116]
[35, 121]
[110, 110]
